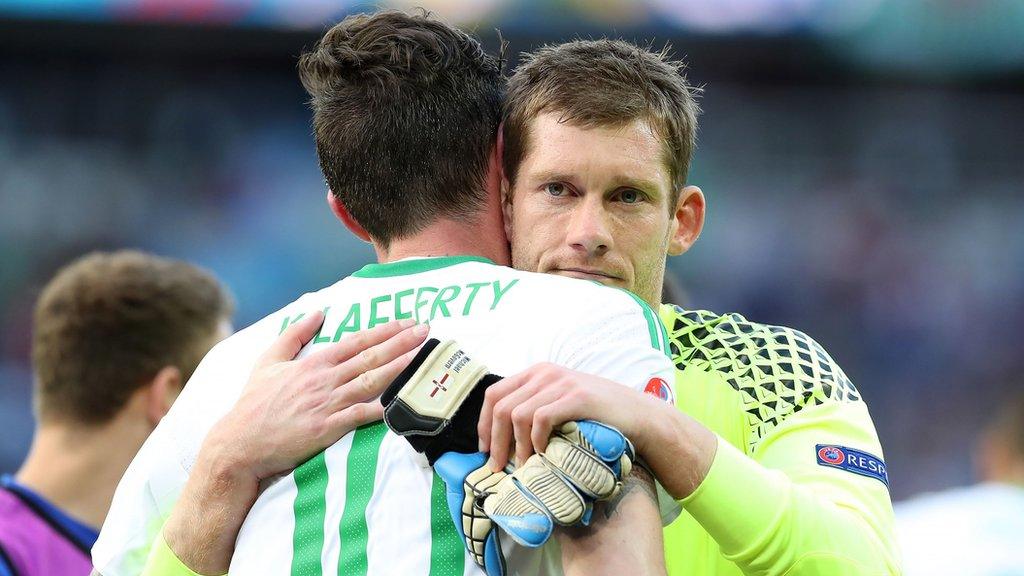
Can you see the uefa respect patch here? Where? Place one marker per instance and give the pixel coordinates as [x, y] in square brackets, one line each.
[852, 460]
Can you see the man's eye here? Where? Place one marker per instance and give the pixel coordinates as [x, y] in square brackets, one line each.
[630, 196]
[554, 189]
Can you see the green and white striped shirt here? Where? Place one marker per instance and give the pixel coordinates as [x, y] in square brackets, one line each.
[369, 504]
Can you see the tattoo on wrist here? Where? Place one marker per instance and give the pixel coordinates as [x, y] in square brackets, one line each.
[639, 481]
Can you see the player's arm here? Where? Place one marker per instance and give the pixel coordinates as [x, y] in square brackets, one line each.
[290, 410]
[626, 343]
[524, 408]
[583, 460]
[795, 508]
[584, 548]
[144, 496]
[809, 495]
[781, 512]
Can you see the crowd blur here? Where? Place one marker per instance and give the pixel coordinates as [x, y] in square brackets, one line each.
[884, 218]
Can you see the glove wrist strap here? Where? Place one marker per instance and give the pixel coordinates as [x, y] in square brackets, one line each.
[435, 402]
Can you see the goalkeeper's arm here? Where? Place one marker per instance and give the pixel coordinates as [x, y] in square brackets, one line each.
[763, 519]
[783, 512]
[282, 418]
[586, 463]
[624, 536]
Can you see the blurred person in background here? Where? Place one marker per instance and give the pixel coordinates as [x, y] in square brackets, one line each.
[979, 529]
[115, 337]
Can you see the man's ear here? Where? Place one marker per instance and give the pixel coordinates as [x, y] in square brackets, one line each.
[687, 220]
[341, 213]
[506, 206]
[499, 149]
[161, 392]
[504, 187]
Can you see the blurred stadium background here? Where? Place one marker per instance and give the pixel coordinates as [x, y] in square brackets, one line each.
[863, 161]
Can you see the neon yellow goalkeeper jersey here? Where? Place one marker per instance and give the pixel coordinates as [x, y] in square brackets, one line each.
[798, 486]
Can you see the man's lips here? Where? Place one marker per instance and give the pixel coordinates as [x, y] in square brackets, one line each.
[585, 274]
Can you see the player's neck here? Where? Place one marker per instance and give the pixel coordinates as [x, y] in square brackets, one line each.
[77, 468]
[451, 238]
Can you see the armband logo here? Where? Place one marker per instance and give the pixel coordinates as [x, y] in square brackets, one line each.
[659, 389]
[831, 455]
[853, 461]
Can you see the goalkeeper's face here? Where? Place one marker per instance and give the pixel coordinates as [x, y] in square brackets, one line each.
[594, 203]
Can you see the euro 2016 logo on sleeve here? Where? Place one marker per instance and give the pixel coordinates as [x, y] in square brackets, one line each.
[659, 388]
[831, 455]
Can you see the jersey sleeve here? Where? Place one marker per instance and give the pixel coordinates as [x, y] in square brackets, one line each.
[785, 512]
[806, 492]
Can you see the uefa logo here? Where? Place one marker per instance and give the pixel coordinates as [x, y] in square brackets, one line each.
[831, 455]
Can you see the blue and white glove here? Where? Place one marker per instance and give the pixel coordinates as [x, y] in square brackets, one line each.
[435, 404]
[585, 462]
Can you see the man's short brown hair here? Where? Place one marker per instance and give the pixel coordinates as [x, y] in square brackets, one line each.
[108, 322]
[405, 114]
[606, 83]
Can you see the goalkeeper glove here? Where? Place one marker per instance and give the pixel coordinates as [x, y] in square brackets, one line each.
[435, 404]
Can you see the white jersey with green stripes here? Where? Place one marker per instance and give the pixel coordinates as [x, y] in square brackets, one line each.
[369, 504]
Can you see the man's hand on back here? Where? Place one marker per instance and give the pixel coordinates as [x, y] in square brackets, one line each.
[434, 404]
[520, 411]
[524, 410]
[292, 409]
[288, 411]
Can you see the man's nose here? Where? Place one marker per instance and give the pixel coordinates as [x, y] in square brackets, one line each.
[588, 229]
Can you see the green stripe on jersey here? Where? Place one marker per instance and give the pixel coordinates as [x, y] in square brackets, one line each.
[447, 554]
[414, 266]
[664, 334]
[309, 508]
[361, 474]
[655, 329]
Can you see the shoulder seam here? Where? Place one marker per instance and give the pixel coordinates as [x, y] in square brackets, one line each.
[776, 371]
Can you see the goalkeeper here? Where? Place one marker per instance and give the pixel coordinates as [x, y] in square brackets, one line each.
[771, 452]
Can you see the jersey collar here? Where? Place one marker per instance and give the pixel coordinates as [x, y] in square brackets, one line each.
[415, 266]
